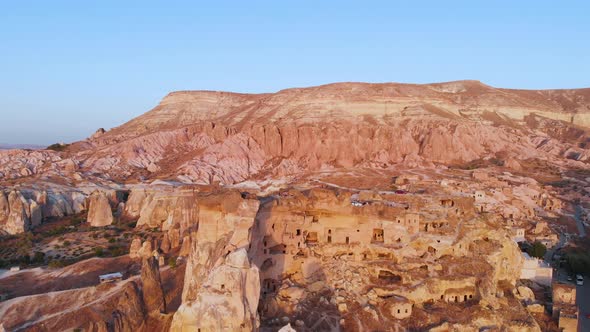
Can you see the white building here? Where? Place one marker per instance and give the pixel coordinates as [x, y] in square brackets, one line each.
[518, 234]
[536, 270]
[111, 277]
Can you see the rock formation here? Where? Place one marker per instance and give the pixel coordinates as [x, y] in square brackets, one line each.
[346, 206]
[15, 214]
[153, 295]
[227, 299]
[222, 287]
[91, 309]
[209, 137]
[99, 210]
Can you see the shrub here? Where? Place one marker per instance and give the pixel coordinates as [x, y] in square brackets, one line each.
[56, 264]
[25, 259]
[76, 221]
[98, 251]
[538, 250]
[112, 240]
[24, 244]
[57, 147]
[39, 257]
[67, 243]
[578, 262]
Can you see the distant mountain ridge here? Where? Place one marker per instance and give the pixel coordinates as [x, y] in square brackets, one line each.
[211, 137]
[6, 146]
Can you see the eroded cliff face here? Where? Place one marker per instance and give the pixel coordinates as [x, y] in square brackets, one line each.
[117, 308]
[25, 208]
[229, 138]
[221, 288]
[208, 137]
[226, 300]
[165, 209]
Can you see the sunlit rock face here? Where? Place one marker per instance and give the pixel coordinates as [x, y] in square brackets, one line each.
[217, 137]
[99, 210]
[163, 209]
[227, 299]
[222, 287]
[15, 214]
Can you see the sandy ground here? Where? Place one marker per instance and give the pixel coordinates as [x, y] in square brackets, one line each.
[82, 274]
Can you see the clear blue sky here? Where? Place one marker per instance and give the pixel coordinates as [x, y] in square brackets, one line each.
[68, 68]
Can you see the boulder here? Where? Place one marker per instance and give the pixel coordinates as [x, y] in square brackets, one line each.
[524, 294]
[287, 328]
[14, 213]
[99, 210]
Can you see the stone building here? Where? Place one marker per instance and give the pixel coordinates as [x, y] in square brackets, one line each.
[536, 270]
[459, 294]
[400, 307]
[565, 309]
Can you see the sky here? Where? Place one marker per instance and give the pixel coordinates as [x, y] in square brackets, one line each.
[68, 68]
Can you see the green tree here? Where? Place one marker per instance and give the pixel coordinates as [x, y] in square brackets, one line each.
[578, 262]
[538, 250]
[57, 147]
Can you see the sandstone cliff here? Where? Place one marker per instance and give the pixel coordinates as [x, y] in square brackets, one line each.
[222, 287]
[208, 137]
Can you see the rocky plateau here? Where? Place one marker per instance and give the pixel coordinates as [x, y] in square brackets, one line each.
[342, 207]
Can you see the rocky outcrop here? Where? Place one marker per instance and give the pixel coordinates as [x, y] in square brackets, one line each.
[227, 300]
[15, 213]
[221, 287]
[153, 295]
[118, 308]
[168, 208]
[99, 210]
[135, 247]
[59, 203]
[139, 249]
[23, 163]
[208, 137]
[25, 208]
[228, 138]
